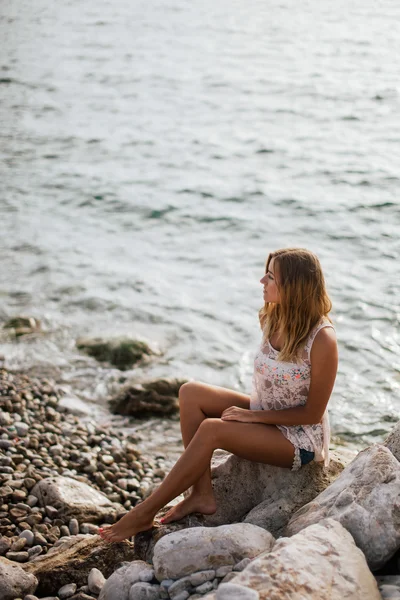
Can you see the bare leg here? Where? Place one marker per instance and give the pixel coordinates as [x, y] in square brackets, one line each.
[252, 441]
[198, 401]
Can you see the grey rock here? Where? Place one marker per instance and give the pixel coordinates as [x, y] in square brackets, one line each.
[22, 428]
[392, 442]
[233, 591]
[201, 577]
[144, 591]
[205, 587]
[224, 570]
[74, 498]
[14, 582]
[121, 352]
[96, 581]
[18, 556]
[5, 545]
[324, 563]
[228, 577]
[157, 397]
[201, 548]
[117, 586]
[67, 590]
[242, 564]
[73, 527]
[28, 535]
[356, 499]
[389, 592]
[35, 551]
[31, 597]
[179, 586]
[182, 595]
[147, 575]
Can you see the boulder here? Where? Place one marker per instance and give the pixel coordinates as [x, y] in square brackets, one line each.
[365, 500]
[123, 352]
[321, 562]
[198, 549]
[265, 495]
[74, 558]
[75, 499]
[23, 325]
[118, 586]
[14, 581]
[157, 397]
[393, 441]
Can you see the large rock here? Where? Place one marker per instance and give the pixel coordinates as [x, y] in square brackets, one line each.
[75, 499]
[14, 582]
[74, 558]
[124, 352]
[393, 441]
[321, 562]
[265, 495]
[201, 548]
[117, 587]
[157, 397]
[365, 500]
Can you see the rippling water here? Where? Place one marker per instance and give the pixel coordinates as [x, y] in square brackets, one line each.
[154, 153]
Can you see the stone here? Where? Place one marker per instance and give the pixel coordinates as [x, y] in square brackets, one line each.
[78, 555]
[392, 442]
[202, 548]
[117, 586]
[75, 499]
[5, 545]
[67, 590]
[96, 580]
[201, 577]
[144, 591]
[325, 564]
[224, 570]
[122, 352]
[147, 575]
[355, 500]
[157, 397]
[205, 587]
[34, 551]
[389, 592]
[265, 495]
[18, 556]
[73, 526]
[242, 564]
[180, 585]
[233, 591]
[23, 325]
[28, 535]
[14, 581]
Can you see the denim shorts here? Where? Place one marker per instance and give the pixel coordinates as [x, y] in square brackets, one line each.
[306, 456]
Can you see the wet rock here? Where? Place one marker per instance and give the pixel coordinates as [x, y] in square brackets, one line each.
[23, 325]
[157, 397]
[75, 558]
[202, 548]
[75, 498]
[14, 582]
[356, 498]
[121, 352]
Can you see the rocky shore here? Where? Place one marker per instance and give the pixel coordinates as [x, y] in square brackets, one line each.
[317, 533]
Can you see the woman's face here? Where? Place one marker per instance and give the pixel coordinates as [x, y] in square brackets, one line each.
[271, 292]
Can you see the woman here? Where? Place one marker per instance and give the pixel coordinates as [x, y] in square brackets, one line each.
[283, 423]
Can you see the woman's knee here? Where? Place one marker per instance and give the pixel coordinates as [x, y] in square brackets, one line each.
[210, 430]
[187, 391]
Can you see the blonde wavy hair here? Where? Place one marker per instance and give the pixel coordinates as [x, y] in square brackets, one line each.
[303, 300]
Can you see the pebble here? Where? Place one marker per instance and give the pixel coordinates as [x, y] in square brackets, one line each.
[182, 596]
[222, 571]
[96, 580]
[201, 577]
[22, 428]
[18, 556]
[232, 591]
[389, 592]
[73, 526]
[179, 586]
[144, 591]
[30, 597]
[81, 596]
[35, 551]
[67, 590]
[28, 535]
[228, 577]
[205, 587]
[147, 575]
[242, 564]
[19, 544]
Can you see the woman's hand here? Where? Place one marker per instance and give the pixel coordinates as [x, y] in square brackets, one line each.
[234, 413]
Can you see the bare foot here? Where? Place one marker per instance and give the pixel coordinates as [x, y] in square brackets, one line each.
[194, 503]
[130, 524]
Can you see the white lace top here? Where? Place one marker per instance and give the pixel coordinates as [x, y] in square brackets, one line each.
[278, 385]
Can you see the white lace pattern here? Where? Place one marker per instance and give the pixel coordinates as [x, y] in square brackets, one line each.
[278, 385]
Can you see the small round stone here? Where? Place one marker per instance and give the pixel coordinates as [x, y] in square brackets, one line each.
[232, 591]
[67, 590]
[28, 535]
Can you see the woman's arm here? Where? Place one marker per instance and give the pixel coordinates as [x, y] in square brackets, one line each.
[324, 362]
